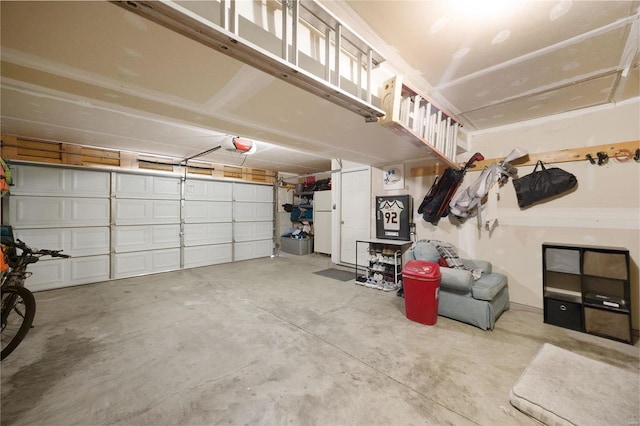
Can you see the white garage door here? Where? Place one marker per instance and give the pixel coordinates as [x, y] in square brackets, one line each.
[123, 224]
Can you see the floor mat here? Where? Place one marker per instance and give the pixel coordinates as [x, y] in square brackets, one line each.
[560, 387]
[337, 274]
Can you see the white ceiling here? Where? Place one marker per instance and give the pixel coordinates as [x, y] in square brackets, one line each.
[527, 59]
[93, 73]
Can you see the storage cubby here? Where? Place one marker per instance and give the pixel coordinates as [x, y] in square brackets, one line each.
[586, 288]
[383, 266]
[302, 210]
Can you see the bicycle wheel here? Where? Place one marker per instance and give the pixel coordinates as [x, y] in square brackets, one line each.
[18, 311]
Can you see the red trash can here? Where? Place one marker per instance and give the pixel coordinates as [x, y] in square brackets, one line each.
[421, 283]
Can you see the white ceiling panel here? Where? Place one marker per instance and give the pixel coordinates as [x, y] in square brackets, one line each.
[576, 96]
[585, 59]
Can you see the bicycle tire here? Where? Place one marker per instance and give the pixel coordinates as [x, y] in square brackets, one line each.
[18, 311]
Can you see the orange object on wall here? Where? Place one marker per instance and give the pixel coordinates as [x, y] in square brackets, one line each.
[3, 261]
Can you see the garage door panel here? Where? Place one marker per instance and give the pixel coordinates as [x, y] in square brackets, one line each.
[252, 249]
[164, 187]
[207, 233]
[89, 183]
[47, 212]
[165, 260]
[207, 211]
[36, 211]
[250, 231]
[252, 192]
[129, 212]
[132, 264]
[48, 274]
[140, 212]
[88, 241]
[131, 238]
[146, 262]
[51, 181]
[264, 193]
[144, 186]
[89, 269]
[33, 180]
[133, 185]
[166, 211]
[146, 237]
[85, 211]
[58, 273]
[252, 212]
[51, 239]
[208, 190]
[74, 241]
[165, 236]
[207, 255]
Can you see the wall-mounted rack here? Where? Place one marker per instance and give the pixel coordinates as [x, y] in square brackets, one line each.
[414, 116]
[561, 156]
[223, 34]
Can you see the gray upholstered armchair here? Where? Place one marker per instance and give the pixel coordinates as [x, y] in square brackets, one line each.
[463, 297]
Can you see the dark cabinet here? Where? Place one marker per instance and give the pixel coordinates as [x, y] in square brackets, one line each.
[586, 288]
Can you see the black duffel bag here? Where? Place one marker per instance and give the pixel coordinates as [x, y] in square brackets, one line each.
[542, 184]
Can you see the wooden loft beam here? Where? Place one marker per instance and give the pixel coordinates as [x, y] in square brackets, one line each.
[15, 148]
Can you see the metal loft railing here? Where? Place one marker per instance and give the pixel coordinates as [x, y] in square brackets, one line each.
[219, 25]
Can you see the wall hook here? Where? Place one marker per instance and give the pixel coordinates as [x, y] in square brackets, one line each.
[637, 156]
[602, 158]
[622, 155]
[591, 159]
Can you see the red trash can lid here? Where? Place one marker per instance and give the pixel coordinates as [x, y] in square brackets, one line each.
[421, 269]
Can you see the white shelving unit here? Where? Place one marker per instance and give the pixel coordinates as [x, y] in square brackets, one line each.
[383, 267]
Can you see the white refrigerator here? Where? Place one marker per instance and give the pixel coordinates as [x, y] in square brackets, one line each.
[322, 222]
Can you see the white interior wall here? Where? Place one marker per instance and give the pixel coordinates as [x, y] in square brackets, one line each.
[604, 210]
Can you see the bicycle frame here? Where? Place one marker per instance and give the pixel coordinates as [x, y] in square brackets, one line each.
[16, 293]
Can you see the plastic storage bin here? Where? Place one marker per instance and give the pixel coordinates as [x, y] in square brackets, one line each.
[421, 283]
[299, 246]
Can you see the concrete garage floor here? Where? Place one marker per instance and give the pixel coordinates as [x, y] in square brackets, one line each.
[268, 342]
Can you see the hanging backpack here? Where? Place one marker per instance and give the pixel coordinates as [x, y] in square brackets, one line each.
[436, 203]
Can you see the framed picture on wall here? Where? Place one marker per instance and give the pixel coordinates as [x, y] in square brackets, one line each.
[393, 177]
[394, 214]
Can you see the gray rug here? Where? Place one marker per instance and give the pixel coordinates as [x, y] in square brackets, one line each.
[560, 387]
[337, 274]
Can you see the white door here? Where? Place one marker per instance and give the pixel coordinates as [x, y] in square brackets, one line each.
[355, 207]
